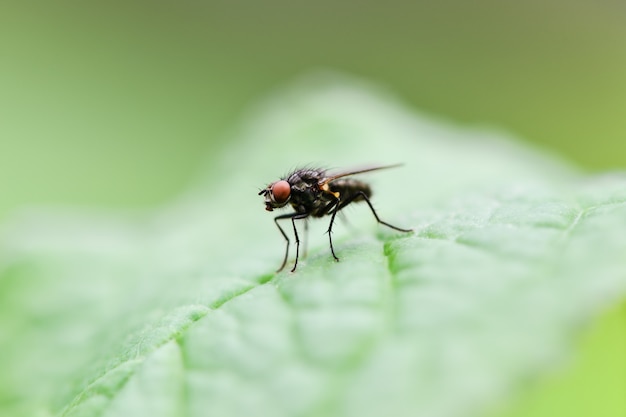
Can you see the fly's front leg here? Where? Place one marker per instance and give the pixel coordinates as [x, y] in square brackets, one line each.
[276, 219]
[295, 232]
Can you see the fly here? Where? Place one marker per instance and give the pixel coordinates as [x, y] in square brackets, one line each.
[316, 193]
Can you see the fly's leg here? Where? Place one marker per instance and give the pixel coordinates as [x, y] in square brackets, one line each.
[295, 232]
[276, 219]
[306, 238]
[330, 226]
[367, 200]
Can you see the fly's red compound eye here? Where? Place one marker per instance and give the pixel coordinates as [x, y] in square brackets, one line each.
[281, 190]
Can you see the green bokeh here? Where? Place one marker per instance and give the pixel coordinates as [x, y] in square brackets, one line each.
[116, 103]
[119, 104]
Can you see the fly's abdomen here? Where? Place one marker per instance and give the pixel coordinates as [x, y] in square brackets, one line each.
[348, 187]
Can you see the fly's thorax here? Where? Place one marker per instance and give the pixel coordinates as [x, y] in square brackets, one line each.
[303, 179]
[305, 192]
[307, 198]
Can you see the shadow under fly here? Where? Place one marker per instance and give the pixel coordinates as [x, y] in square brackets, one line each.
[317, 193]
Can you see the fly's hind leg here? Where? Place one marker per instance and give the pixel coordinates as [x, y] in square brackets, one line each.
[367, 200]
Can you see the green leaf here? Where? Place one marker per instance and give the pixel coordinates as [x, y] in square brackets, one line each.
[177, 312]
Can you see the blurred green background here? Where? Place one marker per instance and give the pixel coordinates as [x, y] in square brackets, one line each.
[117, 103]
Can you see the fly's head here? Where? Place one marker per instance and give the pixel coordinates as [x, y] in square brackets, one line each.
[277, 194]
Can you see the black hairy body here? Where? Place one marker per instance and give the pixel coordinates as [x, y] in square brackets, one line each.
[316, 193]
[307, 197]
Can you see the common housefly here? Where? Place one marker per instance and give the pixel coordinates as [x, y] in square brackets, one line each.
[317, 193]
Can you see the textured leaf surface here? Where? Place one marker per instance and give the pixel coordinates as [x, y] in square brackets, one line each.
[178, 312]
